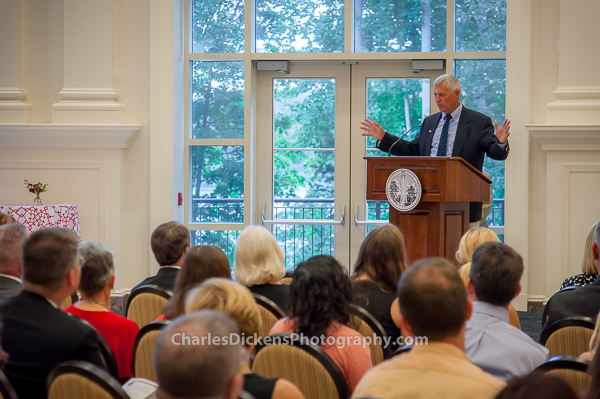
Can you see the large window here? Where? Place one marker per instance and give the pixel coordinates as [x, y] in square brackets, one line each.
[226, 39]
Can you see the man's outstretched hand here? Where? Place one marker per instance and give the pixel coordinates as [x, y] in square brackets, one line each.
[502, 132]
[373, 129]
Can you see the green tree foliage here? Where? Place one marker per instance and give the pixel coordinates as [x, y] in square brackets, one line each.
[399, 26]
[304, 117]
[480, 25]
[217, 112]
[218, 26]
[299, 26]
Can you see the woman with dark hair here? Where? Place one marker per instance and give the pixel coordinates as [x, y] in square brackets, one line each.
[201, 262]
[320, 298]
[537, 386]
[378, 268]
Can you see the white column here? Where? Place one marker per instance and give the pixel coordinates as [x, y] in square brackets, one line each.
[88, 95]
[578, 91]
[13, 108]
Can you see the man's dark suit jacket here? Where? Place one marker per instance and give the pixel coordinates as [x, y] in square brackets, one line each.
[37, 337]
[9, 287]
[165, 278]
[475, 137]
[582, 301]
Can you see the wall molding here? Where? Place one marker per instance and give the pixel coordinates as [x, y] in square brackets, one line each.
[566, 137]
[66, 136]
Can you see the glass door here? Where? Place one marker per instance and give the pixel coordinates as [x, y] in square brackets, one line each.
[398, 99]
[311, 176]
[303, 159]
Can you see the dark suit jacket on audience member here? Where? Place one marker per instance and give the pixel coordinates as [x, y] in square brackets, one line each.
[278, 293]
[165, 278]
[37, 337]
[582, 301]
[9, 287]
[475, 137]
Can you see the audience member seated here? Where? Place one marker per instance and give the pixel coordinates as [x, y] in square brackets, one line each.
[97, 281]
[380, 263]
[490, 341]
[37, 335]
[189, 365]
[12, 237]
[434, 308]
[170, 242]
[320, 299]
[200, 263]
[537, 386]
[258, 264]
[6, 219]
[471, 240]
[589, 271]
[236, 301]
[584, 301]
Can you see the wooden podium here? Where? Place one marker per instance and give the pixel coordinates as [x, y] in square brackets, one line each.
[434, 227]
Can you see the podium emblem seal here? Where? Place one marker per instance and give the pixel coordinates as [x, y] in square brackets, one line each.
[403, 190]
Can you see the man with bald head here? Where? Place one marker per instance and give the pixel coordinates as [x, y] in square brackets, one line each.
[434, 309]
[192, 361]
[12, 237]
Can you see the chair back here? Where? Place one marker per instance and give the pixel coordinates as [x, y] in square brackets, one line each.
[77, 379]
[146, 303]
[268, 312]
[570, 368]
[143, 350]
[364, 322]
[108, 356]
[6, 389]
[306, 366]
[71, 299]
[568, 337]
[287, 279]
[545, 312]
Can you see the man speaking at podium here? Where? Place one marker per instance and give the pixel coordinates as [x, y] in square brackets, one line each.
[454, 131]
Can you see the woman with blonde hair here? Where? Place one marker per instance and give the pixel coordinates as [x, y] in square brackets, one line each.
[258, 264]
[589, 270]
[380, 263]
[469, 241]
[237, 302]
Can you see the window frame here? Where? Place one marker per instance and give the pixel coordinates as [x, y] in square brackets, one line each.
[250, 58]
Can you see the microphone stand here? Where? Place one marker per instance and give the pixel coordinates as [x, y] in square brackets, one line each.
[397, 141]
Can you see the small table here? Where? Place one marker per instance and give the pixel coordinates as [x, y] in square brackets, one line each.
[36, 217]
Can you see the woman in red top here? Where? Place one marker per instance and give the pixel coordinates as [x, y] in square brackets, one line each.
[97, 280]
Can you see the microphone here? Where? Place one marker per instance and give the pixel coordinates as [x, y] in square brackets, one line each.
[397, 141]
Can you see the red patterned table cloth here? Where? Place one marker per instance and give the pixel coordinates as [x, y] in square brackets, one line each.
[36, 217]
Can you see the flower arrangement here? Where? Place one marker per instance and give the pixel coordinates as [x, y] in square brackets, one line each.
[36, 189]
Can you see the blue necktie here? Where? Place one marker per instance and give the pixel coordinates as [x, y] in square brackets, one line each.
[441, 152]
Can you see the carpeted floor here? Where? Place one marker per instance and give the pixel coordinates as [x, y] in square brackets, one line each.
[531, 324]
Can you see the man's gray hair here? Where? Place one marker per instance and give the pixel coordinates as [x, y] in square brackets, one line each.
[189, 363]
[12, 237]
[453, 82]
[97, 268]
